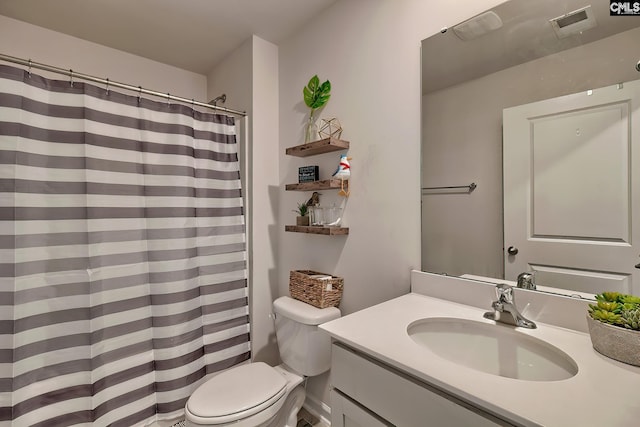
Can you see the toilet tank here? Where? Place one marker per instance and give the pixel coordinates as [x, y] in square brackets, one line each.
[302, 345]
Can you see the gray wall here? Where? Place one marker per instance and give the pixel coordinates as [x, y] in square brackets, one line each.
[370, 51]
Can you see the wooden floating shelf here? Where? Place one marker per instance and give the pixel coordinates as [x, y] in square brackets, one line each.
[321, 146]
[327, 184]
[311, 229]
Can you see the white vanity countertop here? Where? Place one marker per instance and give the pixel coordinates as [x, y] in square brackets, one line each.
[603, 392]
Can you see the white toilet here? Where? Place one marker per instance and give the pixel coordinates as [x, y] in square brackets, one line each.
[258, 395]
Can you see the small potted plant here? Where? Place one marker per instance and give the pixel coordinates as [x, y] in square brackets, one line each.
[315, 95]
[614, 326]
[303, 214]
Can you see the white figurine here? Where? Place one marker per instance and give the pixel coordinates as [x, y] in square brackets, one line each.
[343, 172]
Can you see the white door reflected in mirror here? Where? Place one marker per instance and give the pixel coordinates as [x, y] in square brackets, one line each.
[568, 175]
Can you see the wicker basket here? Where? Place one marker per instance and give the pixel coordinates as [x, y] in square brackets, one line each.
[317, 292]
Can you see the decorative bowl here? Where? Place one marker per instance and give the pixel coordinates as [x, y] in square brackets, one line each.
[617, 343]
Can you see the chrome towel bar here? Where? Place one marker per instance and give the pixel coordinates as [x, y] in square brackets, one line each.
[469, 187]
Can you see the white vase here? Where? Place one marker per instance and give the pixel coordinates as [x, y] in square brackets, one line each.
[310, 130]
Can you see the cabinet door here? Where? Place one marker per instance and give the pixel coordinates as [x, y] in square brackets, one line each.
[347, 413]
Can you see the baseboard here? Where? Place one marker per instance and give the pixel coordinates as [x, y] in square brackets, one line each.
[318, 409]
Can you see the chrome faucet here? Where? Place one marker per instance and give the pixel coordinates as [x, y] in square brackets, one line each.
[505, 309]
[526, 280]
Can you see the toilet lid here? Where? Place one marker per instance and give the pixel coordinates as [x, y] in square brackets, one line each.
[239, 392]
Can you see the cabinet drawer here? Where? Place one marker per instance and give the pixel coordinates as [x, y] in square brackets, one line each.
[347, 413]
[398, 398]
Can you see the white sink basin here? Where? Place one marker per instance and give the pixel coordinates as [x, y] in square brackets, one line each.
[493, 348]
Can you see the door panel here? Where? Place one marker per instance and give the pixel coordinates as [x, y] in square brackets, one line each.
[571, 189]
[588, 281]
[580, 170]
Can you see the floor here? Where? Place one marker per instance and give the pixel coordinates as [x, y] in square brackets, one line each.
[303, 423]
[305, 419]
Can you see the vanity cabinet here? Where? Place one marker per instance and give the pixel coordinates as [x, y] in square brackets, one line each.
[368, 393]
[321, 146]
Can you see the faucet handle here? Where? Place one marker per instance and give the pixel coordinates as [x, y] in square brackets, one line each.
[506, 310]
[504, 293]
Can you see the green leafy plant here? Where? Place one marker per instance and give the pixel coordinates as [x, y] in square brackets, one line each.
[316, 94]
[617, 309]
[302, 210]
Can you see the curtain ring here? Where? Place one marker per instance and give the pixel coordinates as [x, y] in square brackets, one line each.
[29, 71]
[193, 107]
[71, 77]
[107, 86]
[139, 94]
[168, 98]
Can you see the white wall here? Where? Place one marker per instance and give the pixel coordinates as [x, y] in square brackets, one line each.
[370, 51]
[249, 77]
[28, 41]
[233, 77]
[264, 167]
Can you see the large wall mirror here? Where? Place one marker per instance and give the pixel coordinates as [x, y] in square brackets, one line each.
[530, 146]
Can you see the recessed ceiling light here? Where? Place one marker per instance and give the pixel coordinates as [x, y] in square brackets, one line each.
[478, 26]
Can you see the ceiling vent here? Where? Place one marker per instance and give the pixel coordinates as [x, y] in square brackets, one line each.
[478, 26]
[574, 22]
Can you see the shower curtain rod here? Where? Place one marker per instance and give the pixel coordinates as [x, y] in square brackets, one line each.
[72, 74]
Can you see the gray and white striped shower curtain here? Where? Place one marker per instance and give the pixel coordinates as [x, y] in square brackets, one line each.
[123, 258]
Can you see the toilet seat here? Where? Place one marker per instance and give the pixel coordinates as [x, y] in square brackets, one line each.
[236, 394]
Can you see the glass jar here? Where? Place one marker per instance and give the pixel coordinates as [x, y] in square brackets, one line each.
[317, 215]
[332, 216]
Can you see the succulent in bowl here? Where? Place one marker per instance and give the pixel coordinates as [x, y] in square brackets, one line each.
[617, 309]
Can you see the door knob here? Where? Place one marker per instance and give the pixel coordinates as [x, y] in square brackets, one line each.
[514, 251]
[637, 265]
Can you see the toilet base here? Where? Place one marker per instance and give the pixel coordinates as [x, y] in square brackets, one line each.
[288, 414]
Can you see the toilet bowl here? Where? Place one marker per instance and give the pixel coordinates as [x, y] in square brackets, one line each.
[252, 395]
[258, 395]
